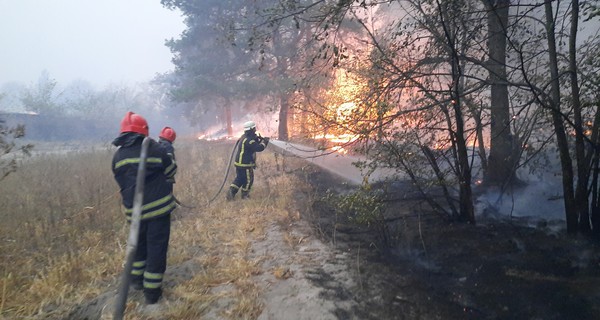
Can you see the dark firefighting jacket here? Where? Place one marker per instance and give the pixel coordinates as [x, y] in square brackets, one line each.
[158, 193]
[249, 145]
[167, 146]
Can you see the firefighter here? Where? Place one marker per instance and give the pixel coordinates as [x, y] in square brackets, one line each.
[166, 139]
[245, 160]
[150, 260]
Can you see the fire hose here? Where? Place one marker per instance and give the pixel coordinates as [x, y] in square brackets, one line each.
[224, 179]
[181, 204]
[132, 241]
[226, 172]
[134, 230]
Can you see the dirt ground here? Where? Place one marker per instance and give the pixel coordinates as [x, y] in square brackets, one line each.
[434, 269]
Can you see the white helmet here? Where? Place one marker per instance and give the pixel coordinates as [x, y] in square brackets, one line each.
[249, 125]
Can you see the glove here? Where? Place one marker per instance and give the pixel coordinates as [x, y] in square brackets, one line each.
[266, 139]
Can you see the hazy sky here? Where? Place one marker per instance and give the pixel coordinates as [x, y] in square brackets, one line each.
[102, 41]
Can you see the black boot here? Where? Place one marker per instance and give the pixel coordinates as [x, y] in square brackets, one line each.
[245, 195]
[231, 194]
[136, 282]
[152, 295]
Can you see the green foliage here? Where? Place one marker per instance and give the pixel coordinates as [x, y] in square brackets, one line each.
[590, 9]
[41, 98]
[210, 56]
[9, 149]
[362, 206]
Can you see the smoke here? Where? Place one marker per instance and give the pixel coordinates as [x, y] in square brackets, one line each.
[540, 199]
[266, 125]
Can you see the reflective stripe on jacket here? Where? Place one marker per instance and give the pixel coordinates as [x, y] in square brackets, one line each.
[247, 149]
[158, 193]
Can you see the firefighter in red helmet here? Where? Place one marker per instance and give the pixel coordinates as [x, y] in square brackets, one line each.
[245, 160]
[166, 138]
[150, 260]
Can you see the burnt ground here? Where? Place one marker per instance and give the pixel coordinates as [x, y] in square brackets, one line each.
[435, 269]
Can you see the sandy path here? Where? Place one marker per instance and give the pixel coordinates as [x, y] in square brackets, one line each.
[301, 282]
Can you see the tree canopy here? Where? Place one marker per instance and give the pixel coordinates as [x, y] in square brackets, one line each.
[452, 93]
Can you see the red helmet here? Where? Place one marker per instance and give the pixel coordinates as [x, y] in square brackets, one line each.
[168, 134]
[133, 122]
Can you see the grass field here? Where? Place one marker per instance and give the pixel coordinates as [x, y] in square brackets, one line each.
[62, 236]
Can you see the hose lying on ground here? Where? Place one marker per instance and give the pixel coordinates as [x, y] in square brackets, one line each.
[226, 173]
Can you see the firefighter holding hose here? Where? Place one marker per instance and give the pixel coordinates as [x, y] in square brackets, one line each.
[166, 138]
[150, 260]
[245, 161]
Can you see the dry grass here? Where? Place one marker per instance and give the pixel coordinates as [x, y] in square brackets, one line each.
[62, 235]
[60, 226]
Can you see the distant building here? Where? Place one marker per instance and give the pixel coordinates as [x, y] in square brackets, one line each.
[14, 118]
[58, 127]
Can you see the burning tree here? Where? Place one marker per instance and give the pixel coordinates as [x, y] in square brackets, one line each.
[448, 92]
[426, 72]
[410, 112]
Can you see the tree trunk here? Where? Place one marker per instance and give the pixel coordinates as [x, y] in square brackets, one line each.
[284, 107]
[476, 114]
[594, 161]
[595, 202]
[229, 122]
[501, 163]
[581, 190]
[559, 129]
[467, 210]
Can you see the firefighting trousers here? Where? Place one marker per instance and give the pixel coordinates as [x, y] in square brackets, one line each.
[150, 260]
[244, 178]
